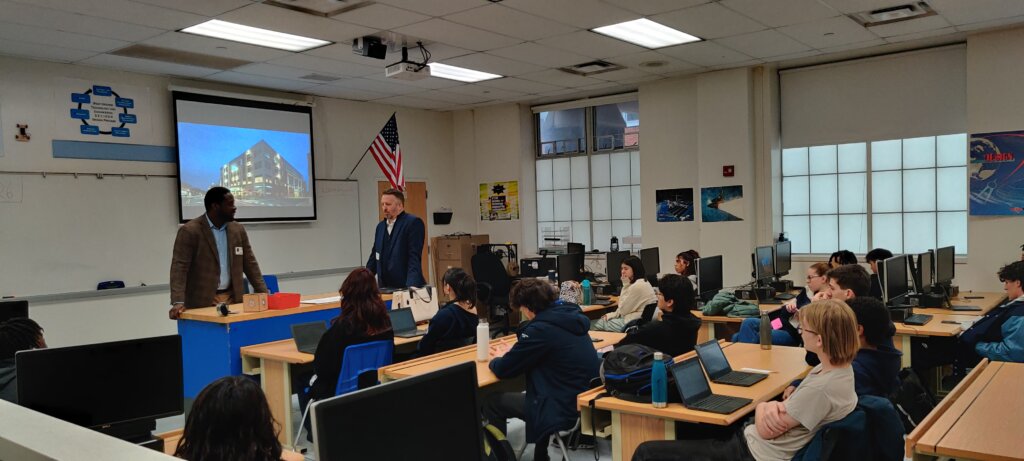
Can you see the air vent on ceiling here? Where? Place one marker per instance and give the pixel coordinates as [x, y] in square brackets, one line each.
[186, 58]
[591, 68]
[320, 77]
[893, 14]
[325, 8]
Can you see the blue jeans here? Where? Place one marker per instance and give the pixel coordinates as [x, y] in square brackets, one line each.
[750, 332]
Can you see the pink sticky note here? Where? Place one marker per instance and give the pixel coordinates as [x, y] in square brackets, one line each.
[776, 324]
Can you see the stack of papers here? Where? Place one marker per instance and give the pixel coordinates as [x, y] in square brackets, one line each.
[327, 300]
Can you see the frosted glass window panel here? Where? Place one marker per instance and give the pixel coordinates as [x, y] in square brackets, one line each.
[600, 176]
[918, 232]
[952, 230]
[853, 232]
[795, 196]
[638, 231]
[822, 160]
[636, 205]
[545, 206]
[560, 174]
[919, 152]
[622, 203]
[634, 167]
[544, 175]
[601, 203]
[951, 188]
[886, 193]
[563, 205]
[886, 155]
[824, 190]
[622, 228]
[794, 161]
[824, 234]
[919, 190]
[951, 150]
[797, 229]
[853, 193]
[541, 228]
[602, 234]
[620, 169]
[853, 158]
[580, 204]
[580, 172]
[887, 231]
[563, 230]
[581, 233]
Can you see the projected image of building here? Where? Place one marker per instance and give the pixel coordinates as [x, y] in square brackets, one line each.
[261, 172]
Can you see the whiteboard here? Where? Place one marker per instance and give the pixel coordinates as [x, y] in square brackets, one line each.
[63, 234]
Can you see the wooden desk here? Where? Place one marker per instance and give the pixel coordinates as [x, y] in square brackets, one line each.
[633, 423]
[988, 301]
[484, 375]
[708, 322]
[980, 419]
[595, 311]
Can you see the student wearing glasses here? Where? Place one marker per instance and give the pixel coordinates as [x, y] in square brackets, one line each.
[786, 335]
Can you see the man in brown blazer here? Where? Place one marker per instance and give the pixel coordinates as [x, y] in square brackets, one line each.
[210, 254]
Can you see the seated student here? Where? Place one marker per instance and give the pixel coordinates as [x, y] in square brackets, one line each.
[844, 283]
[636, 293]
[230, 420]
[874, 257]
[999, 335]
[454, 325]
[17, 334]
[676, 332]
[685, 265]
[842, 258]
[557, 356]
[750, 329]
[780, 429]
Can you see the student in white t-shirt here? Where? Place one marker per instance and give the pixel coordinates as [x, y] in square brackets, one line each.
[780, 429]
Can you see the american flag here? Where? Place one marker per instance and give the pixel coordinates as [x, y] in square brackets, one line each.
[388, 154]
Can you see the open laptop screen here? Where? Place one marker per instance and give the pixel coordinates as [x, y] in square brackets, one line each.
[402, 320]
[714, 360]
[690, 380]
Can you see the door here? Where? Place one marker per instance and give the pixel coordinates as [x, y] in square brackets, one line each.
[415, 203]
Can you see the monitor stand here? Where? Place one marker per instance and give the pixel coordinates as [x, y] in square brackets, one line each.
[137, 432]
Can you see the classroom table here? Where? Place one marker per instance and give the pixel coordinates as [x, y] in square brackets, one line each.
[934, 327]
[987, 302]
[708, 322]
[595, 311]
[979, 419]
[633, 423]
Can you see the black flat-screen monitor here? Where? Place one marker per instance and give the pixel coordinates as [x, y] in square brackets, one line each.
[894, 284]
[119, 388]
[783, 258]
[570, 267]
[572, 247]
[709, 276]
[922, 272]
[363, 426]
[614, 266]
[651, 261]
[13, 309]
[261, 151]
[764, 264]
[945, 260]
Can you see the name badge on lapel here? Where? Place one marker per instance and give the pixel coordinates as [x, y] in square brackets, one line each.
[238, 251]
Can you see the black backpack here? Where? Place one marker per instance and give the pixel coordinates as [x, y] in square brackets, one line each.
[626, 372]
[912, 400]
[496, 446]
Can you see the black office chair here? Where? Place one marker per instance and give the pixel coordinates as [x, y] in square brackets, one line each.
[488, 269]
[646, 317]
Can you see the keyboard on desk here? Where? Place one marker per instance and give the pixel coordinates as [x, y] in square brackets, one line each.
[603, 302]
[722, 404]
[966, 308]
[784, 296]
[740, 378]
[917, 319]
[602, 297]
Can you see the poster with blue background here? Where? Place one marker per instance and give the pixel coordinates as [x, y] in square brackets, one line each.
[997, 180]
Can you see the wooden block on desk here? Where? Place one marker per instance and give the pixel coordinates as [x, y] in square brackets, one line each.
[254, 302]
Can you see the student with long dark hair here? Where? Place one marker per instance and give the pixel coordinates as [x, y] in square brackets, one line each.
[636, 293]
[455, 324]
[231, 421]
[686, 265]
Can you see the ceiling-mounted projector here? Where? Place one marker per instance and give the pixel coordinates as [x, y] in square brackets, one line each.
[406, 70]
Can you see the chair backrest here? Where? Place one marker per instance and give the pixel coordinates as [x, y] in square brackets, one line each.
[359, 358]
[271, 282]
[487, 268]
[648, 313]
[841, 440]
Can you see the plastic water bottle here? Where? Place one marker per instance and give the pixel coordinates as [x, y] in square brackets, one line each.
[588, 292]
[766, 331]
[659, 382]
[483, 341]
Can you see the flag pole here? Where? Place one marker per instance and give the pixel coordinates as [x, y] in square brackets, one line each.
[357, 164]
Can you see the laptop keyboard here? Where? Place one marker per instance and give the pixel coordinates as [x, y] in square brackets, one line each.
[740, 378]
[917, 319]
[723, 404]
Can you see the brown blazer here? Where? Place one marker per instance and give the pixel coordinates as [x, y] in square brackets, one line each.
[195, 267]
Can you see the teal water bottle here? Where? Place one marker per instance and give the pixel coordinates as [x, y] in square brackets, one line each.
[588, 294]
[659, 382]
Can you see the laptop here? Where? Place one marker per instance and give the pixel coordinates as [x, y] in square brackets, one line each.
[711, 355]
[696, 392]
[404, 324]
[307, 335]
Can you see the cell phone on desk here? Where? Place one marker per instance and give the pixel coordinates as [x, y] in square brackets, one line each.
[974, 297]
[596, 340]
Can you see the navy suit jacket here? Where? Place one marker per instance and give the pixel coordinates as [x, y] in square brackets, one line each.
[397, 261]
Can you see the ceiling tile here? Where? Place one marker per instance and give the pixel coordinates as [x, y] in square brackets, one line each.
[294, 22]
[44, 52]
[670, 64]
[208, 8]
[334, 91]
[624, 75]
[507, 21]
[216, 47]
[147, 66]
[763, 44]
[557, 77]
[493, 64]
[991, 24]
[705, 54]
[32, 15]
[778, 13]
[259, 81]
[378, 86]
[275, 71]
[518, 84]
[854, 46]
[439, 51]
[486, 92]
[733, 65]
[585, 14]
[458, 35]
[542, 55]
[949, 32]
[857, 6]
[414, 102]
[648, 7]
[960, 12]
[326, 66]
[829, 33]
[910, 27]
[800, 55]
[381, 16]
[708, 21]
[125, 10]
[434, 7]
[454, 98]
[40, 36]
[591, 44]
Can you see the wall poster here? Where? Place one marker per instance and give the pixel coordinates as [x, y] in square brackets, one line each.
[499, 201]
[719, 204]
[997, 181]
[674, 205]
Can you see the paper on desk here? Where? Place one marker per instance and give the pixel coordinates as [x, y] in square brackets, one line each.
[327, 300]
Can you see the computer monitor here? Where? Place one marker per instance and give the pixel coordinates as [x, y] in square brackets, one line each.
[614, 266]
[764, 265]
[783, 258]
[362, 425]
[709, 276]
[119, 388]
[923, 272]
[894, 283]
[13, 309]
[651, 261]
[945, 259]
[570, 267]
[575, 248]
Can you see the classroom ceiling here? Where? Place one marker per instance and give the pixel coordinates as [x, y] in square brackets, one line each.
[525, 40]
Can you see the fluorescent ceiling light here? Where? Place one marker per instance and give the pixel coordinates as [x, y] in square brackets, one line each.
[646, 33]
[254, 36]
[459, 73]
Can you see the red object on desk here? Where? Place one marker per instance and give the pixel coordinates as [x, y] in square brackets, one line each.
[278, 301]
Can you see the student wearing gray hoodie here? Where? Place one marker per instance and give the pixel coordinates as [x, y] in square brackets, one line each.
[18, 334]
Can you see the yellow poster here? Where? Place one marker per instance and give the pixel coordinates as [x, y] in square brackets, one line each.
[499, 201]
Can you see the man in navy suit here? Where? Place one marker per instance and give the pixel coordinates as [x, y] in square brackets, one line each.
[397, 244]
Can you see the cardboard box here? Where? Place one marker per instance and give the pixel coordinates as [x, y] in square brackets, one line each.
[254, 302]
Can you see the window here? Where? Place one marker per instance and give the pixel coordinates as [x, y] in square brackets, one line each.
[588, 192]
[905, 195]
